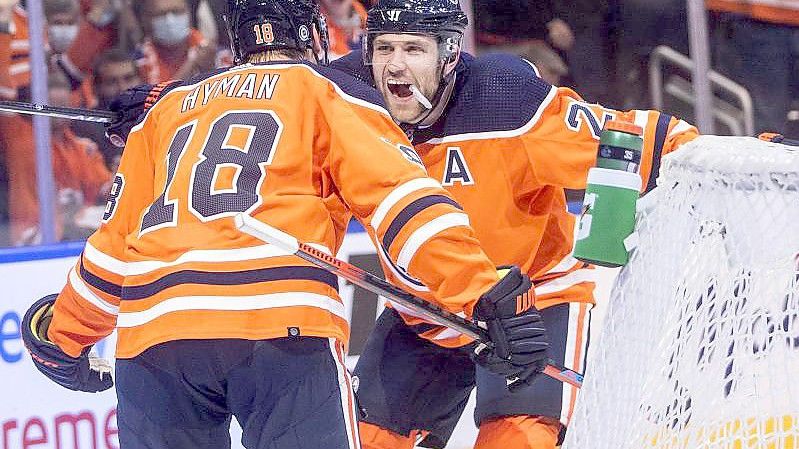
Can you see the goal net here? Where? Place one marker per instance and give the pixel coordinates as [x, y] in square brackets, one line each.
[699, 348]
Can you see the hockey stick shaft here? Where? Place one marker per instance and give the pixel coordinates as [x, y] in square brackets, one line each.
[374, 284]
[86, 115]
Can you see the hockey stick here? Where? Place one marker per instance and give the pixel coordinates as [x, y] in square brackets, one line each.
[86, 115]
[374, 284]
[778, 138]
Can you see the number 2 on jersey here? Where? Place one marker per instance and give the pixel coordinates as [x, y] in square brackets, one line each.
[258, 133]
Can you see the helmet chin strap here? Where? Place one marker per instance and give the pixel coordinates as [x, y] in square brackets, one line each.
[435, 107]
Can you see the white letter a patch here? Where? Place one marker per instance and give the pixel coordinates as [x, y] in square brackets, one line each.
[456, 169]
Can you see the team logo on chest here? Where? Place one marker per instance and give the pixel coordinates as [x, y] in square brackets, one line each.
[456, 170]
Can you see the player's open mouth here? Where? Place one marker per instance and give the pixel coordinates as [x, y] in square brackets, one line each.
[399, 89]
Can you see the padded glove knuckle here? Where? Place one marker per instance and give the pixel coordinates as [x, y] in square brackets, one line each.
[70, 372]
[130, 106]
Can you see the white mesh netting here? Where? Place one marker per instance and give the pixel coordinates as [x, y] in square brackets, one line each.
[700, 344]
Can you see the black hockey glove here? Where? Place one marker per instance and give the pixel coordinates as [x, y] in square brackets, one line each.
[515, 327]
[80, 374]
[130, 106]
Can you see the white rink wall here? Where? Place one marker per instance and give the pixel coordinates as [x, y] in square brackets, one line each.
[35, 412]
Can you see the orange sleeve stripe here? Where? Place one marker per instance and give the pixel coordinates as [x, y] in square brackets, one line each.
[415, 209]
[427, 231]
[396, 275]
[75, 325]
[98, 283]
[100, 270]
[90, 298]
[427, 224]
[397, 195]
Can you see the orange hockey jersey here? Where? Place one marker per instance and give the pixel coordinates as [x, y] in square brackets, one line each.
[15, 65]
[784, 12]
[506, 148]
[294, 145]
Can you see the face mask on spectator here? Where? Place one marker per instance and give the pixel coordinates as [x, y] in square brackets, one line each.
[61, 36]
[171, 29]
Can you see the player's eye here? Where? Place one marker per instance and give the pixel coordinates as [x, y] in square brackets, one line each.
[414, 49]
[383, 48]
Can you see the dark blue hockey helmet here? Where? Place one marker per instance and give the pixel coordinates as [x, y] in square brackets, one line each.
[261, 25]
[443, 19]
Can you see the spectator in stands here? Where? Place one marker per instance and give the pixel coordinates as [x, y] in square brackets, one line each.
[206, 16]
[7, 92]
[16, 131]
[550, 66]
[346, 22]
[80, 173]
[501, 22]
[590, 57]
[756, 43]
[62, 18]
[643, 25]
[172, 49]
[15, 75]
[104, 21]
[114, 71]
[62, 23]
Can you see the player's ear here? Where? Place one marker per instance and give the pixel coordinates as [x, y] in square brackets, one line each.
[320, 43]
[317, 41]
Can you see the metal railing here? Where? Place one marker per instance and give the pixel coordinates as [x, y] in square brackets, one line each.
[739, 118]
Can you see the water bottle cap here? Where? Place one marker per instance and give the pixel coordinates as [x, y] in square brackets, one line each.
[625, 127]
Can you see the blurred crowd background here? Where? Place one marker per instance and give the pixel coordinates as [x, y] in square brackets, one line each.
[620, 53]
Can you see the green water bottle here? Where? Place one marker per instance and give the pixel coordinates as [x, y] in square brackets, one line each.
[608, 215]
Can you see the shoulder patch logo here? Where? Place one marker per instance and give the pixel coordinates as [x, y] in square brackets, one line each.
[456, 169]
[581, 113]
[410, 154]
[407, 151]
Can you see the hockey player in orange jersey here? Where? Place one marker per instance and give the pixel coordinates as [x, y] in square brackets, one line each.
[505, 144]
[214, 324]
